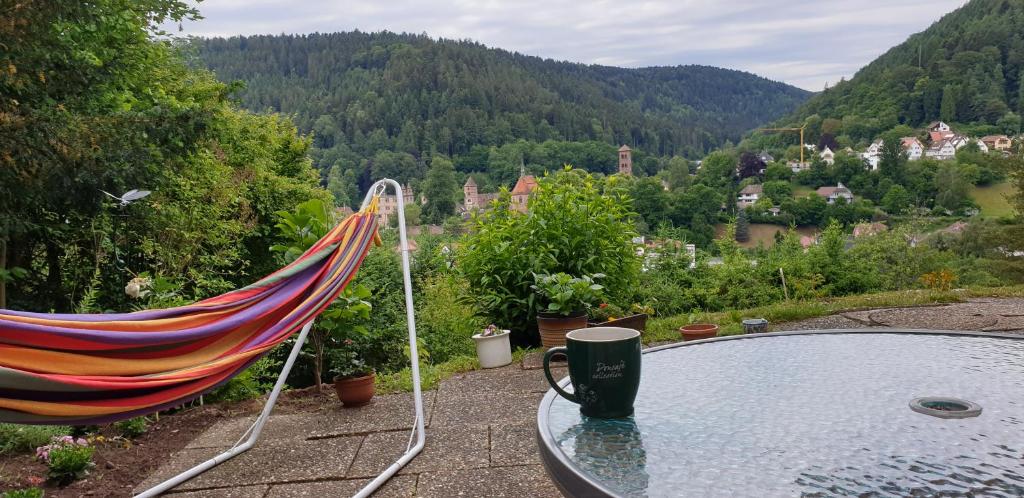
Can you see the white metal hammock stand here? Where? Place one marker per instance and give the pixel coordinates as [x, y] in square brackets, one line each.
[248, 439]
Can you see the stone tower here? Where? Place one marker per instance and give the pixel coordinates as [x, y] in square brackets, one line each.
[625, 160]
[469, 193]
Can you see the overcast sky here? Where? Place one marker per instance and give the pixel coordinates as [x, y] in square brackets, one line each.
[807, 43]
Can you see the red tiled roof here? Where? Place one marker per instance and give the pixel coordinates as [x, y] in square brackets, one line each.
[525, 185]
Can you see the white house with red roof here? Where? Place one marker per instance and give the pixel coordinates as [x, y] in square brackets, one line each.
[838, 192]
[913, 147]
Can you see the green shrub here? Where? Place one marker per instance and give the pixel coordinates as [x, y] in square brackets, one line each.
[70, 463]
[444, 318]
[16, 438]
[66, 458]
[23, 493]
[252, 383]
[576, 224]
[133, 427]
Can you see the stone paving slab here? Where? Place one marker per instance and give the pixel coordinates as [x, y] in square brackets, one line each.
[514, 444]
[397, 486]
[480, 408]
[269, 462]
[507, 379]
[535, 361]
[446, 449]
[383, 413]
[494, 482]
[233, 492]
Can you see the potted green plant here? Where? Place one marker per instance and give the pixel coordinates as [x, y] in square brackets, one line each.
[492, 347]
[610, 315]
[337, 340]
[564, 300]
[354, 380]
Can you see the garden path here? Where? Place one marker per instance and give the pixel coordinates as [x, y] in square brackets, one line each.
[480, 428]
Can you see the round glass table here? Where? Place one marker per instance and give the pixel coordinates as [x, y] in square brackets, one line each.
[822, 413]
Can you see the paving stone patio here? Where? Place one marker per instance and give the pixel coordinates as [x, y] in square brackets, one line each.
[480, 428]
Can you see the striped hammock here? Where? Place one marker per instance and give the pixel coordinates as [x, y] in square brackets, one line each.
[97, 368]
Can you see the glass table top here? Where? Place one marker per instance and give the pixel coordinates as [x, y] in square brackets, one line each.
[805, 415]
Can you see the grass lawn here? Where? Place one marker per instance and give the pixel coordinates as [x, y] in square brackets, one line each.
[992, 199]
[765, 233]
[802, 191]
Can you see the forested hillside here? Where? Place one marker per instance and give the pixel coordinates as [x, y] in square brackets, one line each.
[966, 68]
[397, 99]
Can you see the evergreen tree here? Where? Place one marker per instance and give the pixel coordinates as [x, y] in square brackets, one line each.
[440, 188]
[742, 226]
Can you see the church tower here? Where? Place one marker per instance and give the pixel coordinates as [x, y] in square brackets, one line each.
[625, 161]
[469, 193]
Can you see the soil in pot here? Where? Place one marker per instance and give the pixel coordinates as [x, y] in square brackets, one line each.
[697, 331]
[553, 327]
[355, 391]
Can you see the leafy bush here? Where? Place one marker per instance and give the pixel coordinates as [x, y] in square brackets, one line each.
[133, 427]
[16, 438]
[23, 493]
[565, 294]
[576, 224]
[67, 458]
[445, 319]
[252, 383]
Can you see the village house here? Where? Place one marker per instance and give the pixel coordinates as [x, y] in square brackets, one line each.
[913, 147]
[388, 204]
[765, 157]
[832, 193]
[828, 156]
[997, 142]
[749, 195]
[873, 154]
[938, 126]
[942, 151]
[797, 166]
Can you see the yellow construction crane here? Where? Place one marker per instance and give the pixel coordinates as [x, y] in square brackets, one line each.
[800, 129]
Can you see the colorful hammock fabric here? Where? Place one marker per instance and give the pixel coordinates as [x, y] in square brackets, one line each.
[97, 368]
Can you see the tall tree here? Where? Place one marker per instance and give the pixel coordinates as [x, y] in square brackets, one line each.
[750, 165]
[892, 160]
[440, 188]
[742, 226]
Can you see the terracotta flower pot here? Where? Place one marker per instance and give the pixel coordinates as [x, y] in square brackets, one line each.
[355, 391]
[553, 327]
[697, 331]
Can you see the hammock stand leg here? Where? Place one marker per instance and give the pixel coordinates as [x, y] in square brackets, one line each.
[253, 433]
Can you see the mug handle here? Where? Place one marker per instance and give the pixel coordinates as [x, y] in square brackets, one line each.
[551, 380]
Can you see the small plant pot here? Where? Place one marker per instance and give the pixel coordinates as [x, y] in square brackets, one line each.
[355, 391]
[553, 327]
[697, 331]
[493, 351]
[755, 326]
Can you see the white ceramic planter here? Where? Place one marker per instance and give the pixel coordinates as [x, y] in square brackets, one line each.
[493, 351]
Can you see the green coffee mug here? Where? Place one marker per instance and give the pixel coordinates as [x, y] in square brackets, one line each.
[604, 368]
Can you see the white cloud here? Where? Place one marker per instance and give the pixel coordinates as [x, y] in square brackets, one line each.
[803, 42]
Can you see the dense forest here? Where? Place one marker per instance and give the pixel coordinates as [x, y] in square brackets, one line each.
[398, 99]
[966, 68]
